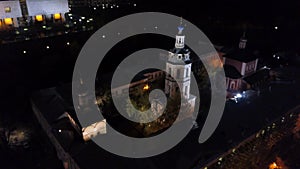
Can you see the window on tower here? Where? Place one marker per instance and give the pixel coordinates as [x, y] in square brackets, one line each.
[186, 90]
[187, 72]
[178, 73]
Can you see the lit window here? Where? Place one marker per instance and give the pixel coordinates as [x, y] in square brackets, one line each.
[39, 18]
[7, 9]
[57, 16]
[8, 21]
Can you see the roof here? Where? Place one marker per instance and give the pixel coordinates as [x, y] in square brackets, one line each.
[180, 50]
[87, 155]
[54, 107]
[49, 103]
[232, 72]
[183, 60]
[257, 76]
[242, 55]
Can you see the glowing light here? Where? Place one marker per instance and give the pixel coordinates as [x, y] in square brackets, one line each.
[68, 43]
[237, 96]
[95, 8]
[134, 4]
[57, 16]
[59, 130]
[7, 9]
[25, 29]
[44, 27]
[103, 36]
[275, 27]
[24, 51]
[8, 21]
[146, 87]
[39, 18]
[273, 166]
[47, 47]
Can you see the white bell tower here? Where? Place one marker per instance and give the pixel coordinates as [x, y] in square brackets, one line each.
[178, 69]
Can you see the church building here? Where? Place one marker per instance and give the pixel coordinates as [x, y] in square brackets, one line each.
[178, 74]
[239, 63]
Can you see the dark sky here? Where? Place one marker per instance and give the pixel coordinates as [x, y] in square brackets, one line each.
[229, 7]
[259, 16]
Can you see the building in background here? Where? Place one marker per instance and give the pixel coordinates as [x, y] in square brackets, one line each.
[47, 10]
[94, 3]
[26, 12]
[238, 64]
[10, 12]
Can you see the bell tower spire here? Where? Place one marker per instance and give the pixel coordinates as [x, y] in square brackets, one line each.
[243, 41]
[179, 44]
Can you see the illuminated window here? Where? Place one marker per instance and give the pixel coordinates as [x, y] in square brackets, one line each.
[8, 21]
[57, 16]
[39, 18]
[7, 9]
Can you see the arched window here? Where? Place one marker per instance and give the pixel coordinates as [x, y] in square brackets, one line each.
[232, 85]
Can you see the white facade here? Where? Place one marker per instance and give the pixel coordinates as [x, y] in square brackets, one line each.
[9, 13]
[181, 74]
[10, 9]
[42, 10]
[47, 7]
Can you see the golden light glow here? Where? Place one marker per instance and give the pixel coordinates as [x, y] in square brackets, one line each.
[8, 21]
[0, 23]
[56, 16]
[146, 87]
[39, 18]
[7, 9]
[274, 166]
